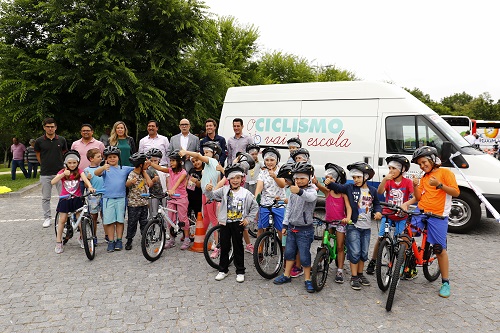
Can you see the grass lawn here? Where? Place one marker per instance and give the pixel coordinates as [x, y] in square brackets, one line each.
[20, 182]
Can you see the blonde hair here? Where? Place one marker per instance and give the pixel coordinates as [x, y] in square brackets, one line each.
[113, 137]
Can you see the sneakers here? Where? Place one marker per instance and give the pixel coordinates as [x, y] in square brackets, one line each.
[221, 276]
[295, 272]
[215, 253]
[371, 267]
[363, 280]
[410, 275]
[445, 290]
[118, 245]
[339, 278]
[309, 286]
[355, 284]
[46, 223]
[80, 241]
[185, 244]
[282, 279]
[95, 241]
[111, 246]
[240, 278]
[170, 243]
[249, 248]
[59, 248]
[128, 245]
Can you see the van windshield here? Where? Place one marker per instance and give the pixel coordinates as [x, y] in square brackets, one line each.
[453, 136]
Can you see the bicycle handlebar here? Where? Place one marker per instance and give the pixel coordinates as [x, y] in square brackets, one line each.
[397, 208]
[164, 195]
[68, 196]
[275, 204]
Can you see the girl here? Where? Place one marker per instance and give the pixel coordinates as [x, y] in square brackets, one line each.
[337, 208]
[70, 177]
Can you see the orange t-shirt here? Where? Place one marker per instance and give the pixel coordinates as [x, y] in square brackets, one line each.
[436, 200]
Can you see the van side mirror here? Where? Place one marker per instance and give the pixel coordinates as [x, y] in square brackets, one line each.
[446, 151]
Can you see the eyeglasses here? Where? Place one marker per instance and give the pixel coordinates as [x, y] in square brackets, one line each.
[47, 126]
[86, 130]
[183, 124]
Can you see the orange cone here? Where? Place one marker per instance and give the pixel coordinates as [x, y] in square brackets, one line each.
[199, 236]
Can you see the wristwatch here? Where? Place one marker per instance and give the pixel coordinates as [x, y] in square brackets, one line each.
[440, 186]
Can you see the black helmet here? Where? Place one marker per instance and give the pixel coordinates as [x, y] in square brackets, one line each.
[303, 167]
[71, 154]
[296, 140]
[424, 151]
[246, 158]
[214, 146]
[286, 172]
[365, 168]
[299, 151]
[233, 168]
[137, 159]
[400, 159]
[341, 176]
[111, 150]
[174, 155]
[271, 150]
[252, 146]
[154, 152]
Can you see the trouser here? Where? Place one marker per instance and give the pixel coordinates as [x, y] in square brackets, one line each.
[232, 233]
[32, 167]
[136, 214]
[209, 213]
[15, 165]
[47, 193]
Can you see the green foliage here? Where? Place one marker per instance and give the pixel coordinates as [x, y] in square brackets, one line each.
[278, 67]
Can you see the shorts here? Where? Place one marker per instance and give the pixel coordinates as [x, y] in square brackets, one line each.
[95, 204]
[113, 210]
[437, 229]
[69, 205]
[399, 226]
[358, 242]
[278, 215]
[339, 227]
[299, 242]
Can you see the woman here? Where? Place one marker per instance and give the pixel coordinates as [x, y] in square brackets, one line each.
[119, 138]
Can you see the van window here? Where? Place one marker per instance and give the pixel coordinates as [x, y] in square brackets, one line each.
[406, 133]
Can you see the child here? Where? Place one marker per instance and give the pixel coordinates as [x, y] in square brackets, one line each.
[253, 174]
[300, 155]
[95, 203]
[194, 186]
[337, 208]
[434, 194]
[397, 191]
[137, 206]
[113, 201]
[177, 185]
[154, 156]
[298, 224]
[293, 144]
[237, 208]
[365, 199]
[70, 177]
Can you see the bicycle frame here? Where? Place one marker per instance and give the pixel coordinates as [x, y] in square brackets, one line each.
[418, 251]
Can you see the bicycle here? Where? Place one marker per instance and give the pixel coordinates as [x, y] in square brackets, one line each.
[82, 223]
[327, 253]
[211, 247]
[319, 222]
[410, 255]
[268, 253]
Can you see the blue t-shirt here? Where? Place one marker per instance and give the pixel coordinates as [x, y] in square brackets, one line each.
[114, 181]
[210, 173]
[96, 181]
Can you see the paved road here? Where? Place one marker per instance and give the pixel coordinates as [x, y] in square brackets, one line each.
[123, 292]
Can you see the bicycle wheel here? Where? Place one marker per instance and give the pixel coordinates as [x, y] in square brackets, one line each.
[253, 228]
[65, 234]
[153, 239]
[211, 247]
[385, 263]
[88, 237]
[320, 267]
[431, 265]
[396, 274]
[268, 255]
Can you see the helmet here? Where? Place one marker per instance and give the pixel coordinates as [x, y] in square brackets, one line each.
[252, 146]
[71, 154]
[299, 151]
[154, 152]
[286, 172]
[111, 150]
[400, 159]
[174, 155]
[137, 159]
[294, 140]
[303, 167]
[424, 151]
[245, 158]
[233, 168]
[273, 151]
[341, 176]
[214, 146]
[365, 168]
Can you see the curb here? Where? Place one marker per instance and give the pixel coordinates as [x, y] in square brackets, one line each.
[22, 191]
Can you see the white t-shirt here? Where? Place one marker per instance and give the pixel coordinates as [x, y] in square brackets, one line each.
[270, 190]
[235, 205]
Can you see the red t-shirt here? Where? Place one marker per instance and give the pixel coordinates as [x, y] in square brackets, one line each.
[397, 194]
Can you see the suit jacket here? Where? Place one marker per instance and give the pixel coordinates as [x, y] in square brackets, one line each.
[193, 145]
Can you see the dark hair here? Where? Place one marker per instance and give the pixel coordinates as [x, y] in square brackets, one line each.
[467, 132]
[153, 121]
[87, 125]
[92, 152]
[238, 120]
[49, 121]
[210, 120]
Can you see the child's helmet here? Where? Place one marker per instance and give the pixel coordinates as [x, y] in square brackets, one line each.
[174, 155]
[294, 142]
[303, 167]
[271, 150]
[286, 172]
[337, 172]
[300, 151]
[71, 154]
[154, 152]
[233, 169]
[214, 146]
[137, 159]
[111, 150]
[425, 151]
[246, 160]
[365, 168]
[252, 146]
[401, 160]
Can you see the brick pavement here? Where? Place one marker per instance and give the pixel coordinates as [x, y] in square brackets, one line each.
[122, 291]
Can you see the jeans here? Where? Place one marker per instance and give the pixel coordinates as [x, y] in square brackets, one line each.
[47, 193]
[34, 167]
[358, 242]
[299, 241]
[15, 165]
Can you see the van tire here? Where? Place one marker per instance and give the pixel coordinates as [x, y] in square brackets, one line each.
[465, 212]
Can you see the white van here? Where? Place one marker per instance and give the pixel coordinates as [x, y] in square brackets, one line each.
[346, 122]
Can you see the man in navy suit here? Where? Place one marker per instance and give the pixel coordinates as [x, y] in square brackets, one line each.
[184, 140]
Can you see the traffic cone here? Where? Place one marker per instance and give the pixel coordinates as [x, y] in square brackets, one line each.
[199, 236]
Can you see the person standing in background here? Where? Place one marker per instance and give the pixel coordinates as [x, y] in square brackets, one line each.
[17, 150]
[30, 156]
[238, 142]
[119, 138]
[86, 143]
[155, 140]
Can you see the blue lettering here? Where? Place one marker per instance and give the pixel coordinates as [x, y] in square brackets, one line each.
[276, 122]
[285, 127]
[259, 124]
[303, 126]
[335, 125]
[317, 126]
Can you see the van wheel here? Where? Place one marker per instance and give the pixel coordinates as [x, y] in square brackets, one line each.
[465, 213]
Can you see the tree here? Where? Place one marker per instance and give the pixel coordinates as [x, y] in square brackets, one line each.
[278, 67]
[332, 73]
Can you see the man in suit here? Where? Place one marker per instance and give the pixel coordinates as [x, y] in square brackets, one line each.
[184, 140]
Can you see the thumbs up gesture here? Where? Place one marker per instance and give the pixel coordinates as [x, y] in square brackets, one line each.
[67, 172]
[106, 166]
[415, 181]
[209, 186]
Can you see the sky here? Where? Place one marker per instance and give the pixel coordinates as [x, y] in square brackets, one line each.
[441, 47]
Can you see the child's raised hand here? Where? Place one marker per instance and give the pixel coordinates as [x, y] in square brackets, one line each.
[67, 172]
[389, 176]
[219, 168]
[415, 181]
[294, 189]
[327, 181]
[272, 174]
[378, 216]
[209, 186]
[433, 181]
[106, 166]
[182, 152]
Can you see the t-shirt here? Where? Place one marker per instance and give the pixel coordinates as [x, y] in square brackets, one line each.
[18, 151]
[209, 173]
[135, 191]
[83, 148]
[436, 200]
[365, 207]
[196, 174]
[270, 190]
[124, 151]
[235, 205]
[172, 180]
[397, 194]
[96, 182]
[51, 154]
[156, 189]
[114, 181]
[71, 185]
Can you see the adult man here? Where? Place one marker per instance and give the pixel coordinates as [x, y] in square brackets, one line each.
[238, 142]
[185, 140]
[86, 143]
[49, 150]
[17, 150]
[155, 140]
[210, 127]
[469, 137]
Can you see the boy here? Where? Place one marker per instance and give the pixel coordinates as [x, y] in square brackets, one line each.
[253, 173]
[364, 201]
[434, 194]
[293, 144]
[237, 208]
[298, 224]
[113, 201]
[194, 186]
[95, 203]
[397, 191]
[137, 206]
